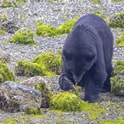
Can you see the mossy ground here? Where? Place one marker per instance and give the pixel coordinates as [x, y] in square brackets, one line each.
[51, 31]
[5, 73]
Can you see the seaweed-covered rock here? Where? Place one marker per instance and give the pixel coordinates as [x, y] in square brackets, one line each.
[47, 30]
[51, 61]
[26, 68]
[117, 20]
[5, 73]
[47, 64]
[120, 41]
[117, 81]
[18, 97]
[4, 56]
[23, 36]
[9, 26]
[41, 85]
[66, 101]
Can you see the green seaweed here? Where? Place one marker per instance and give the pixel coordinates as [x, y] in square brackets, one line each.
[30, 69]
[115, 121]
[116, 0]
[51, 31]
[5, 73]
[96, 1]
[67, 26]
[117, 82]
[51, 61]
[99, 14]
[32, 110]
[67, 102]
[7, 3]
[23, 36]
[120, 41]
[46, 64]
[117, 20]
[53, 0]
[2, 32]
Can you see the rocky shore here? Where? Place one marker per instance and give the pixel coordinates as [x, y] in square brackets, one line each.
[25, 15]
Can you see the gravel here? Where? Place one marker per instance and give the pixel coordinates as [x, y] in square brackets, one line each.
[56, 13]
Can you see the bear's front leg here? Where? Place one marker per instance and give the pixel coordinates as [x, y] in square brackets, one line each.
[94, 85]
[91, 92]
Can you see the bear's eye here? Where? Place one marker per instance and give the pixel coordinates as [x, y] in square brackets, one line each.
[90, 57]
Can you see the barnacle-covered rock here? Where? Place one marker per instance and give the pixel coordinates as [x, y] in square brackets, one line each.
[40, 84]
[18, 97]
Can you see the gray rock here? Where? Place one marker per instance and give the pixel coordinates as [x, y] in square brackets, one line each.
[40, 84]
[9, 26]
[18, 97]
[4, 56]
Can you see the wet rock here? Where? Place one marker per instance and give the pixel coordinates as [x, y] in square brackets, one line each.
[9, 26]
[18, 97]
[41, 85]
[4, 56]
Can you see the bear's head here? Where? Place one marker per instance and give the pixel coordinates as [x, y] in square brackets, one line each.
[79, 53]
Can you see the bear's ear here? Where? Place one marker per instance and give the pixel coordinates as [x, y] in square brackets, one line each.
[66, 55]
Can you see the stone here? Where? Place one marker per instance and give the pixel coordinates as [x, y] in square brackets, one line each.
[17, 97]
[41, 85]
[4, 56]
[9, 26]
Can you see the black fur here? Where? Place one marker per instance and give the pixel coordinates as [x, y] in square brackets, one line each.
[87, 57]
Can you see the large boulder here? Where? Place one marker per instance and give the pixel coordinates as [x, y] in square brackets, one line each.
[17, 97]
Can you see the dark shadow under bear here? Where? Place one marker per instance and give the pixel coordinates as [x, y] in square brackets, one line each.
[87, 57]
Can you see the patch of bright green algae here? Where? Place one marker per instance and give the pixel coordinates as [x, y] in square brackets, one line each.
[116, 0]
[7, 3]
[51, 31]
[96, 1]
[116, 20]
[2, 32]
[68, 102]
[117, 83]
[99, 14]
[120, 41]
[115, 121]
[23, 36]
[5, 73]
[46, 64]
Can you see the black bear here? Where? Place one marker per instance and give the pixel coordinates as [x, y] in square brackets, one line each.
[87, 57]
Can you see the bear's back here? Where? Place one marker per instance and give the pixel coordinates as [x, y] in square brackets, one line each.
[104, 32]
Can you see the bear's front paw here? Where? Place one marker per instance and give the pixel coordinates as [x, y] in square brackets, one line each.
[65, 83]
[91, 98]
